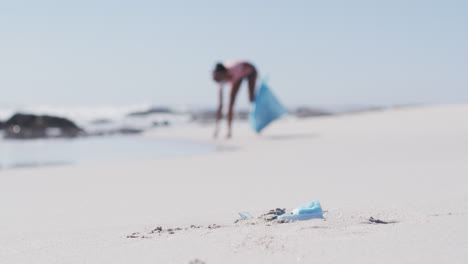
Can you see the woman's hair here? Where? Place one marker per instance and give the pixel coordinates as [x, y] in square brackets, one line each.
[220, 68]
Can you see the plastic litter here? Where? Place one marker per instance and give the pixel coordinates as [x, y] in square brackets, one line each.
[266, 108]
[313, 207]
[245, 215]
[300, 217]
[312, 210]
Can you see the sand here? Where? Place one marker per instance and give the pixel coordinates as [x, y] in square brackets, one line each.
[408, 166]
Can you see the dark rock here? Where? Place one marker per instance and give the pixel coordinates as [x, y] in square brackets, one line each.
[38, 164]
[153, 110]
[134, 235]
[273, 214]
[101, 121]
[117, 131]
[270, 217]
[209, 116]
[196, 261]
[127, 131]
[304, 112]
[156, 230]
[164, 123]
[26, 126]
[241, 115]
[203, 116]
[159, 230]
[373, 220]
[2, 125]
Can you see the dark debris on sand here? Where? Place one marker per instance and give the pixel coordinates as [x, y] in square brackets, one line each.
[273, 214]
[156, 230]
[196, 261]
[269, 216]
[170, 231]
[373, 220]
[134, 235]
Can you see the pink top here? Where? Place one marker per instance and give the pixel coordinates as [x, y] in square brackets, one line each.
[238, 69]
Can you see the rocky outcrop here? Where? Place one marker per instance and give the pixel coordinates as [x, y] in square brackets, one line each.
[25, 126]
[209, 116]
[203, 116]
[117, 131]
[164, 123]
[153, 110]
[304, 112]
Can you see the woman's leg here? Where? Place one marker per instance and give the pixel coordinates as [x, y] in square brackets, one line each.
[252, 79]
[232, 99]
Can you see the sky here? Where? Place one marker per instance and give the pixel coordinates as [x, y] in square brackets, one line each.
[315, 53]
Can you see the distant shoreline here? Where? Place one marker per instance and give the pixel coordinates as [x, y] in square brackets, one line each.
[104, 121]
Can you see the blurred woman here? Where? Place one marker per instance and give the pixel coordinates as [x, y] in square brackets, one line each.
[233, 72]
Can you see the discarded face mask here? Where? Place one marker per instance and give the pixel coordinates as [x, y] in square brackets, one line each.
[245, 215]
[312, 210]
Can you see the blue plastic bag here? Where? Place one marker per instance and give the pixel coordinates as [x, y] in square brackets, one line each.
[266, 108]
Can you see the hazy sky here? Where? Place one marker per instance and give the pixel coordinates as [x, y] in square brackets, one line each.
[92, 52]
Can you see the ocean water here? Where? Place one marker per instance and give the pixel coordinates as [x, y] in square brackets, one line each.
[49, 152]
[103, 118]
[98, 119]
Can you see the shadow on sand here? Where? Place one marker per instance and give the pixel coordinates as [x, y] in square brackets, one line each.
[291, 136]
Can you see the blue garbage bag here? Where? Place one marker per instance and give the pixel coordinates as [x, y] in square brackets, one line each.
[266, 108]
[312, 210]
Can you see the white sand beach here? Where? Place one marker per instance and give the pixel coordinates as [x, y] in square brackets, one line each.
[407, 165]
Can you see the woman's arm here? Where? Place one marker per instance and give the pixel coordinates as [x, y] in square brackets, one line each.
[219, 113]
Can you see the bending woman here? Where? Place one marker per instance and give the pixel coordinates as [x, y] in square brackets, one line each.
[233, 72]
